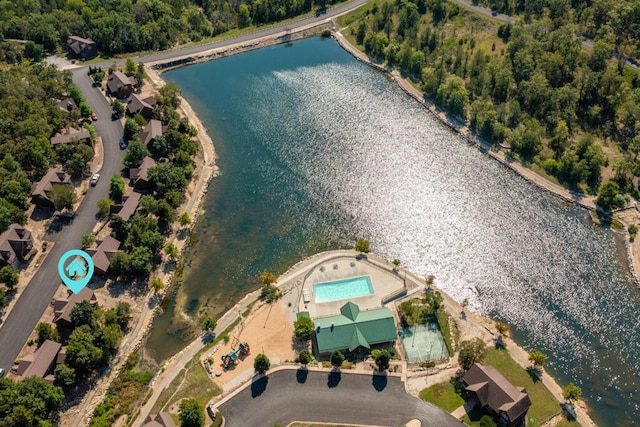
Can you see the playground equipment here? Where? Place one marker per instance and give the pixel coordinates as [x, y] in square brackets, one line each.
[244, 348]
[230, 359]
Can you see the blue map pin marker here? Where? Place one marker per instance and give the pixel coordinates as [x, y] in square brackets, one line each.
[77, 273]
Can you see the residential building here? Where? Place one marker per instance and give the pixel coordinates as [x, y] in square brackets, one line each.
[151, 131]
[40, 363]
[128, 208]
[70, 134]
[62, 307]
[162, 419]
[139, 176]
[143, 106]
[40, 193]
[16, 246]
[81, 47]
[120, 85]
[488, 390]
[67, 105]
[101, 256]
[353, 328]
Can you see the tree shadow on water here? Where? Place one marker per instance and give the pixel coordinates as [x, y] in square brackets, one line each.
[379, 382]
[259, 386]
[301, 375]
[333, 379]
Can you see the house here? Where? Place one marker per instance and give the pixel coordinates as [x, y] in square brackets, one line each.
[128, 208]
[16, 245]
[101, 256]
[487, 389]
[67, 105]
[62, 307]
[143, 106]
[40, 362]
[80, 47]
[71, 134]
[354, 328]
[120, 85]
[139, 176]
[40, 193]
[162, 419]
[151, 131]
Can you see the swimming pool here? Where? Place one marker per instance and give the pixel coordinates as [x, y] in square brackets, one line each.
[343, 289]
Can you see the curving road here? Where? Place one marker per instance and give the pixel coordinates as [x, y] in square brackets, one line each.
[38, 294]
[299, 395]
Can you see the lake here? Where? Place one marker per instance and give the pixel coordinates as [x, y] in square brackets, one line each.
[316, 149]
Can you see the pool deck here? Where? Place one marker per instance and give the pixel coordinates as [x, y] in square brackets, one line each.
[383, 278]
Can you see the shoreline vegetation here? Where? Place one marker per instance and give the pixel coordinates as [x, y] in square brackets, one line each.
[518, 353]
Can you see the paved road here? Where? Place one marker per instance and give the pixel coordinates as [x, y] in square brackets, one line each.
[286, 396]
[25, 315]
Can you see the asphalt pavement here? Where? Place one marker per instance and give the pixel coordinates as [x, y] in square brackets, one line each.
[33, 301]
[300, 395]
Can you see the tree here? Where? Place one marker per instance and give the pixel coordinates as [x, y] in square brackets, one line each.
[120, 264]
[382, 358]
[123, 314]
[3, 297]
[471, 351]
[209, 324]
[396, 263]
[184, 219]
[129, 67]
[305, 356]
[172, 251]
[62, 196]
[139, 75]
[244, 16]
[140, 261]
[88, 240]
[303, 328]
[46, 332]
[104, 206]
[65, 375]
[83, 313]
[131, 129]
[537, 358]
[336, 358]
[156, 284]
[82, 355]
[609, 197]
[191, 413]
[116, 187]
[261, 364]
[30, 402]
[9, 276]
[502, 328]
[362, 245]
[117, 107]
[572, 392]
[452, 94]
[136, 151]
[169, 95]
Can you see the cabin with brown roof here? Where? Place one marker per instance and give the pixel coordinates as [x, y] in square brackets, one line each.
[62, 307]
[40, 362]
[488, 390]
[67, 105]
[70, 134]
[151, 131]
[101, 256]
[40, 193]
[139, 176]
[143, 106]
[81, 47]
[120, 85]
[128, 208]
[162, 419]
[16, 246]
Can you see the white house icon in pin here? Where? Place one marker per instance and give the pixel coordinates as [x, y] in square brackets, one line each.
[76, 268]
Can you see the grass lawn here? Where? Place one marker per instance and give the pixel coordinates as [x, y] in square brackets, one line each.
[442, 395]
[543, 403]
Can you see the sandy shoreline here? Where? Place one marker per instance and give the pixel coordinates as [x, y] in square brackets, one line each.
[209, 166]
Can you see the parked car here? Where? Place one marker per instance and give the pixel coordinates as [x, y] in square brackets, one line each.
[115, 116]
[94, 117]
[213, 413]
[94, 179]
[123, 144]
[2, 372]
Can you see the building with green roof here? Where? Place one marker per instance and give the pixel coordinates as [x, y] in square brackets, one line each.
[353, 328]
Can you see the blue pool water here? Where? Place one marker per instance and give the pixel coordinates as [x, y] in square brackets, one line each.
[343, 289]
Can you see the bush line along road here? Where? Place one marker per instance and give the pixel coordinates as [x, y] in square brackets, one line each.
[32, 303]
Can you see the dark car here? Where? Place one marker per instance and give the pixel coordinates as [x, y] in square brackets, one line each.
[123, 144]
[115, 116]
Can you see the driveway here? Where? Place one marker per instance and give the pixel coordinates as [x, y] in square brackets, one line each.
[26, 314]
[290, 395]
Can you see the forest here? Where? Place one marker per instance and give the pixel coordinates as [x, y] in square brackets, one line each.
[555, 88]
[120, 26]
